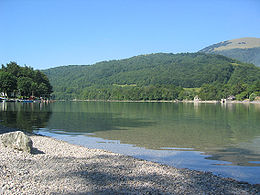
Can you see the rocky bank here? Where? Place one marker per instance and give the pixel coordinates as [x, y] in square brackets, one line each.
[57, 167]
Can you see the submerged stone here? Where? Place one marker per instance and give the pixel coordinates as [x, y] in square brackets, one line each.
[17, 140]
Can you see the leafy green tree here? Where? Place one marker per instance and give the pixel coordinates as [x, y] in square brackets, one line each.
[7, 82]
[238, 88]
[27, 81]
[242, 96]
[12, 68]
[187, 95]
[43, 89]
[34, 89]
[252, 97]
[24, 85]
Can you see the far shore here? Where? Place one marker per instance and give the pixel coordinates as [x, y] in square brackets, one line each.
[170, 101]
[153, 101]
[57, 167]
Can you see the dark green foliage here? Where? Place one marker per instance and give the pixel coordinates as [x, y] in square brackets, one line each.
[24, 80]
[250, 55]
[252, 97]
[158, 92]
[188, 70]
[245, 73]
[217, 91]
[187, 94]
[24, 85]
[7, 82]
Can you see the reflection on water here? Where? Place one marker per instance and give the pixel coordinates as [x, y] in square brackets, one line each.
[24, 115]
[221, 134]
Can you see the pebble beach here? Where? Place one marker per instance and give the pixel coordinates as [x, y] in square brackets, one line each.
[57, 167]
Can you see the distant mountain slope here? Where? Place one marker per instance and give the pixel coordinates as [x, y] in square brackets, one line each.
[243, 49]
[185, 70]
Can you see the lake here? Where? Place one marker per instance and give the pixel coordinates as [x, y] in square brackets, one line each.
[222, 139]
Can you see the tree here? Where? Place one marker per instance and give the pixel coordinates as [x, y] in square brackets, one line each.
[237, 88]
[12, 68]
[24, 79]
[34, 88]
[209, 92]
[44, 86]
[43, 90]
[24, 85]
[7, 82]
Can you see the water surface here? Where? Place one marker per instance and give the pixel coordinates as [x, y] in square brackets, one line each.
[223, 139]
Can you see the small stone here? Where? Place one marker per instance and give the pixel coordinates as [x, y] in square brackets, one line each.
[17, 140]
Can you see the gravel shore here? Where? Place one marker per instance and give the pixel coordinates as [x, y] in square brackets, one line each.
[57, 167]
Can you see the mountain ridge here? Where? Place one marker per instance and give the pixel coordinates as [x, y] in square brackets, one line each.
[245, 49]
[189, 70]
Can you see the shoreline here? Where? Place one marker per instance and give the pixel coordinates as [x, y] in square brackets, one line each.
[167, 101]
[57, 167]
[155, 101]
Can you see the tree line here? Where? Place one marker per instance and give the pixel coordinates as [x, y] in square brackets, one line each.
[240, 91]
[23, 81]
[214, 91]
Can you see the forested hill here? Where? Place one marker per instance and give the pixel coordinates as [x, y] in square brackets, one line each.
[188, 70]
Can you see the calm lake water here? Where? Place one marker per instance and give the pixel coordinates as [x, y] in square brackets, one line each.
[223, 139]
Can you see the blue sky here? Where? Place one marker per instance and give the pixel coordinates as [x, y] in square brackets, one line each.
[50, 33]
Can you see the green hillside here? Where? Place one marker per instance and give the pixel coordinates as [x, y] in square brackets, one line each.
[189, 70]
[245, 49]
